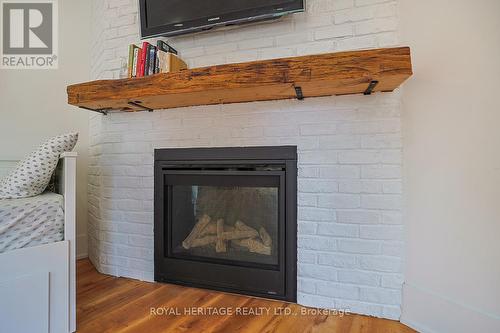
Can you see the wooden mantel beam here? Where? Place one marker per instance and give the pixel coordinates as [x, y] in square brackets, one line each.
[328, 74]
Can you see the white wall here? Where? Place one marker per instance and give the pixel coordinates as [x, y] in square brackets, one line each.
[451, 136]
[33, 102]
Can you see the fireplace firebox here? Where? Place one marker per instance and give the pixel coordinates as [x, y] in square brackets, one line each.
[225, 219]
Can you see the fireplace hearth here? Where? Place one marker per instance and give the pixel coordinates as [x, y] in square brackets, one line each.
[225, 219]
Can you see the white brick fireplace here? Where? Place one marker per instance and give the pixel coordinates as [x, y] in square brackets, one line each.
[349, 184]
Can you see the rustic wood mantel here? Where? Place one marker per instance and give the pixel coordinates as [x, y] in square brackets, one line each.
[341, 73]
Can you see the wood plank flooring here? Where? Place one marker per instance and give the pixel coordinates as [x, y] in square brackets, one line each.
[110, 304]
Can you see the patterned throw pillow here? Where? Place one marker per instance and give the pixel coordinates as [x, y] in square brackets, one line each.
[32, 175]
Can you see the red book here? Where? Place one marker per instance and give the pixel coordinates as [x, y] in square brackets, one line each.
[142, 61]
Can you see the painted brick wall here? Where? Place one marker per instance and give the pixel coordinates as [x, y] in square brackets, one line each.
[349, 214]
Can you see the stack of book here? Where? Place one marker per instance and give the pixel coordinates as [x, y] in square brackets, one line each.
[151, 59]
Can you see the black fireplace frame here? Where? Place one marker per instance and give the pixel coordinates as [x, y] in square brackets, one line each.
[270, 281]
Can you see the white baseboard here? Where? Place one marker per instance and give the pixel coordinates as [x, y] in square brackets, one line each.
[82, 256]
[429, 312]
[81, 247]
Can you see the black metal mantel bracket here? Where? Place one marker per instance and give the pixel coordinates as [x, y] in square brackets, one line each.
[102, 111]
[298, 93]
[371, 86]
[139, 105]
[106, 110]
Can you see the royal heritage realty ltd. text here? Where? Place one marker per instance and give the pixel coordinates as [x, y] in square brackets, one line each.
[243, 311]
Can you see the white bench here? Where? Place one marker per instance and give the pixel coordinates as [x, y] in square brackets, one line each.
[38, 284]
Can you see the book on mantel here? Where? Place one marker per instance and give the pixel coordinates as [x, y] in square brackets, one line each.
[133, 52]
[151, 59]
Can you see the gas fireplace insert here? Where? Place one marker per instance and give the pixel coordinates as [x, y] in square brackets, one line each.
[225, 219]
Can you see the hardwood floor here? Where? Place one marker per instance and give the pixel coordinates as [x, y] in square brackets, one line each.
[110, 304]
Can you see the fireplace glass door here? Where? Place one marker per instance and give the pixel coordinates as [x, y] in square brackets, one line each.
[224, 216]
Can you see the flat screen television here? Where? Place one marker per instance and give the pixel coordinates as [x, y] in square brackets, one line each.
[176, 17]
